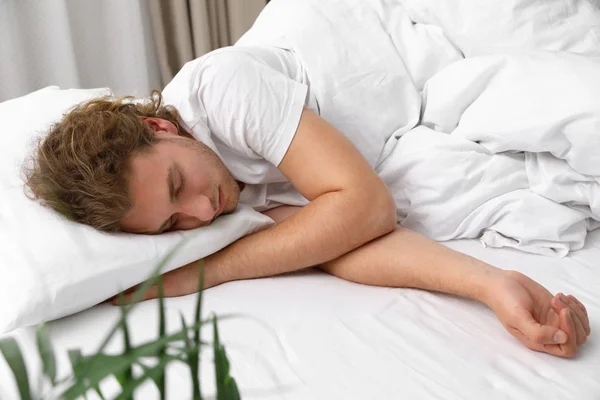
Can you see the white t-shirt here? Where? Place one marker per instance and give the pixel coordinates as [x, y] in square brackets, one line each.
[245, 104]
[359, 64]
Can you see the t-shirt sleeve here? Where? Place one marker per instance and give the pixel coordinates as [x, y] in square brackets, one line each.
[250, 106]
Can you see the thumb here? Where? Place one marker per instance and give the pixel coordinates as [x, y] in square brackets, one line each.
[538, 333]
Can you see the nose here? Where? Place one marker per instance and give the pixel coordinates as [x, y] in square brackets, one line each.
[198, 206]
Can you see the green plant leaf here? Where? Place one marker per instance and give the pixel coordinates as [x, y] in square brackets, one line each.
[127, 375]
[155, 373]
[105, 365]
[75, 358]
[14, 358]
[153, 349]
[188, 342]
[46, 352]
[161, 382]
[155, 379]
[192, 358]
[99, 392]
[198, 314]
[137, 296]
[226, 386]
[161, 308]
[93, 369]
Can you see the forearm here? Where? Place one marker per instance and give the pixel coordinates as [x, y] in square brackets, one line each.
[325, 229]
[404, 258]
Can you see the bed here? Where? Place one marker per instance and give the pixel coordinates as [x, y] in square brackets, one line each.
[309, 335]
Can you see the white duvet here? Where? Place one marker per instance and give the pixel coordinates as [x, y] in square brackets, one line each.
[505, 151]
[502, 145]
[508, 150]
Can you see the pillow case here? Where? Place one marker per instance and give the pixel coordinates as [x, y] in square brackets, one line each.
[51, 267]
[492, 26]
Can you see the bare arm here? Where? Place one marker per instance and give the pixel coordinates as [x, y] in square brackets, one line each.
[348, 229]
[406, 259]
[349, 206]
[553, 324]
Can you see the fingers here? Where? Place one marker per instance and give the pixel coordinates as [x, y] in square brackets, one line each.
[537, 333]
[561, 341]
[578, 315]
[553, 349]
[583, 315]
[581, 335]
[569, 349]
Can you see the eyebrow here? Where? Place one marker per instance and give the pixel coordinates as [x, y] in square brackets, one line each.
[171, 185]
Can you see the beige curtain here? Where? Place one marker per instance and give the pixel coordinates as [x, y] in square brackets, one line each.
[187, 29]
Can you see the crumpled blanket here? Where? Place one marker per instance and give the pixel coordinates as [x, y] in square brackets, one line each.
[508, 150]
[499, 147]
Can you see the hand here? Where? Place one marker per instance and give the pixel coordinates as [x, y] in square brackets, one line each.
[178, 282]
[551, 324]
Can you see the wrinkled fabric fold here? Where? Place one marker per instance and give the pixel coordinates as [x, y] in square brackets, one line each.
[508, 151]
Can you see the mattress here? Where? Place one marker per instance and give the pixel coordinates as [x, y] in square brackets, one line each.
[309, 335]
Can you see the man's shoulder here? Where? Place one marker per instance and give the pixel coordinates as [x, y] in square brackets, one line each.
[223, 57]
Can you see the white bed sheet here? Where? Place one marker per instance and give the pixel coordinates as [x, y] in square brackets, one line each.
[325, 338]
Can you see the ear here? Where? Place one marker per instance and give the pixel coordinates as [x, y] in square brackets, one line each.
[161, 126]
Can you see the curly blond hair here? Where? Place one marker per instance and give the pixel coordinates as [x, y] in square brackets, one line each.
[80, 168]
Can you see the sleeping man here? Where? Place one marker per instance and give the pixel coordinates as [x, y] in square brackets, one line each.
[244, 125]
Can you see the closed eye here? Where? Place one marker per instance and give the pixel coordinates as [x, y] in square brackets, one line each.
[181, 183]
[173, 220]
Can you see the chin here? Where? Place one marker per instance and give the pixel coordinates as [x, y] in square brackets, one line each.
[228, 209]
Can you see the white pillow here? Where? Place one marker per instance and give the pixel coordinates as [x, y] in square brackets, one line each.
[480, 27]
[51, 267]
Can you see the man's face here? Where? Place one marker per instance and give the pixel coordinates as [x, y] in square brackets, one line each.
[179, 184]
